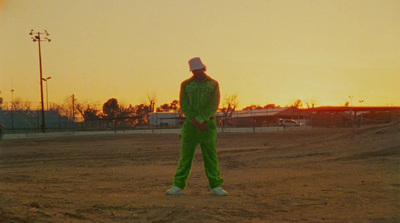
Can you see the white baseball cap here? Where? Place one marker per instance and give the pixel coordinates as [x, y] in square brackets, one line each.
[196, 64]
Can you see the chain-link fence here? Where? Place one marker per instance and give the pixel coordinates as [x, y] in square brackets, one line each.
[16, 121]
[26, 117]
[22, 118]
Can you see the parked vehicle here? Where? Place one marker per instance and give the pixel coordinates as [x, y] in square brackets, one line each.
[164, 119]
[288, 123]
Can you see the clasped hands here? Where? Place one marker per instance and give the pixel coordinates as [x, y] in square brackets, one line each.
[200, 126]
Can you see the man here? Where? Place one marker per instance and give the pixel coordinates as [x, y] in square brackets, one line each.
[199, 100]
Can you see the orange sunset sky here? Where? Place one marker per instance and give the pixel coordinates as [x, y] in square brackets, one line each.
[267, 51]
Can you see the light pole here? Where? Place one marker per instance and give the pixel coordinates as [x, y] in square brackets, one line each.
[36, 38]
[47, 91]
[12, 99]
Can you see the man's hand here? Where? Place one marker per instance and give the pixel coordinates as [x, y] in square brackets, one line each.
[200, 126]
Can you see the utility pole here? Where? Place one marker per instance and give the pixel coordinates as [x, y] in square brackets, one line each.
[36, 38]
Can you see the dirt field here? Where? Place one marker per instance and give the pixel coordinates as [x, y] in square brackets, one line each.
[318, 175]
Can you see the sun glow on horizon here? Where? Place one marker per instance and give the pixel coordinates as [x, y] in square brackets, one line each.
[268, 52]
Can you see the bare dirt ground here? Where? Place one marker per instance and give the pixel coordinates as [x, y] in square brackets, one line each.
[318, 175]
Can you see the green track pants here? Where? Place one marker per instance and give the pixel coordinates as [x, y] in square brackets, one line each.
[191, 137]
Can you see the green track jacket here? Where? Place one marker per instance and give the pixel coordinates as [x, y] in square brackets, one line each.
[199, 100]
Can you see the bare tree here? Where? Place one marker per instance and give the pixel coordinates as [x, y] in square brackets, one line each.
[229, 106]
[89, 110]
[68, 108]
[21, 105]
[297, 104]
[152, 101]
[144, 109]
[311, 104]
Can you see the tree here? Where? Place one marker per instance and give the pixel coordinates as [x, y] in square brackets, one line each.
[252, 107]
[129, 115]
[297, 104]
[163, 108]
[88, 111]
[21, 105]
[68, 108]
[1, 102]
[312, 102]
[118, 115]
[111, 108]
[173, 107]
[142, 112]
[152, 101]
[230, 104]
[270, 106]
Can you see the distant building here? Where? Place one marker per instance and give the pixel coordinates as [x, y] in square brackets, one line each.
[164, 119]
[319, 116]
[351, 116]
[261, 117]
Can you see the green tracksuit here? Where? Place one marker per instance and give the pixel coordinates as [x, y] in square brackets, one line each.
[200, 101]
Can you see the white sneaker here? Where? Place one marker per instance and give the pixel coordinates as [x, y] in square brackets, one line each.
[174, 191]
[219, 191]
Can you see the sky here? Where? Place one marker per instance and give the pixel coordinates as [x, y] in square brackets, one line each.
[266, 51]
